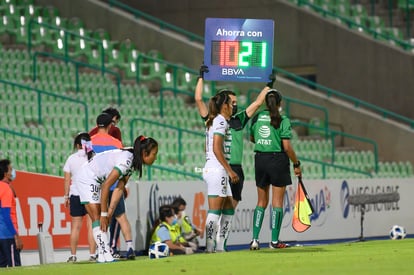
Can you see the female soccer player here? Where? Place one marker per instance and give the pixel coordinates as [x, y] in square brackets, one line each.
[97, 176]
[271, 133]
[217, 171]
[83, 146]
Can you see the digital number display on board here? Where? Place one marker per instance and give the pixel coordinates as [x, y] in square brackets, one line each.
[238, 49]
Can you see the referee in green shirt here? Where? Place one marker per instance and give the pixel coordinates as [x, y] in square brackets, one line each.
[271, 133]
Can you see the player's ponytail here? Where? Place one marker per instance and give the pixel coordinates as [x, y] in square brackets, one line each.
[215, 104]
[273, 100]
[84, 140]
[142, 145]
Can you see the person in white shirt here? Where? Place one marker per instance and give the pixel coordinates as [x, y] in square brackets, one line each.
[96, 178]
[83, 146]
[217, 171]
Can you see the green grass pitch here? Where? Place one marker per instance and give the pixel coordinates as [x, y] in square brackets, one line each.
[369, 257]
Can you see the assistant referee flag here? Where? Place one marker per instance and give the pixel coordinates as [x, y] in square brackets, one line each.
[303, 209]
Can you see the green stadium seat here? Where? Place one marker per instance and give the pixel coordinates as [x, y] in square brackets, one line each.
[359, 10]
[22, 2]
[395, 33]
[50, 12]
[7, 25]
[404, 4]
[375, 22]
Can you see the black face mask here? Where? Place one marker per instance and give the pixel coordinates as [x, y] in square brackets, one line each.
[234, 110]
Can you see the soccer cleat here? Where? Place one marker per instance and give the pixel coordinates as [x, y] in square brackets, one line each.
[277, 245]
[254, 244]
[116, 255]
[210, 246]
[101, 258]
[92, 259]
[130, 254]
[108, 256]
[72, 259]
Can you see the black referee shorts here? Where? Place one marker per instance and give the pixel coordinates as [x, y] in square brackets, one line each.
[236, 188]
[272, 168]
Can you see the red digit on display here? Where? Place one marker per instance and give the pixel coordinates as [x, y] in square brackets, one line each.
[232, 53]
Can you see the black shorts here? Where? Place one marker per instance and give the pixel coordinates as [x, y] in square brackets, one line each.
[76, 208]
[236, 188]
[10, 256]
[272, 168]
[120, 207]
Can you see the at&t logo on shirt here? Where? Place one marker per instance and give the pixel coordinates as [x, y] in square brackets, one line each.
[264, 132]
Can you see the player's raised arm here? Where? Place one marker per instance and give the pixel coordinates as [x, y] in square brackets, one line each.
[252, 108]
[198, 95]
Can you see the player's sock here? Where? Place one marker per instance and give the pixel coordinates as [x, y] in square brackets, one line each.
[224, 229]
[257, 221]
[277, 217]
[101, 239]
[97, 236]
[129, 244]
[211, 229]
[96, 231]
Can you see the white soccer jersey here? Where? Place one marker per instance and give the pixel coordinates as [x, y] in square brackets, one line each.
[94, 172]
[219, 127]
[103, 163]
[72, 166]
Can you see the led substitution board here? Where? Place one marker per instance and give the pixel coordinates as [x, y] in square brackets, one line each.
[238, 49]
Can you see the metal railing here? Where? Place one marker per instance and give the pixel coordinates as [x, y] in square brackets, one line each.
[333, 133]
[175, 91]
[179, 131]
[145, 61]
[289, 101]
[66, 34]
[352, 24]
[77, 65]
[356, 102]
[325, 165]
[171, 170]
[162, 24]
[36, 139]
[39, 100]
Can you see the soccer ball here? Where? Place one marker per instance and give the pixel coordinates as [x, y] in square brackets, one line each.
[397, 232]
[158, 250]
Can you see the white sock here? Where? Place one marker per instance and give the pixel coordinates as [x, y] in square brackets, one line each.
[223, 233]
[101, 239]
[211, 230]
[129, 245]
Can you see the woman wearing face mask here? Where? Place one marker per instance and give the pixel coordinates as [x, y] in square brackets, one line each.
[10, 242]
[187, 231]
[165, 231]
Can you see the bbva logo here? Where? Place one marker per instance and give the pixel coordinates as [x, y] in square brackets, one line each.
[230, 71]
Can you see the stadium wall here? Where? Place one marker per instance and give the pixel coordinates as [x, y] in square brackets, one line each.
[40, 199]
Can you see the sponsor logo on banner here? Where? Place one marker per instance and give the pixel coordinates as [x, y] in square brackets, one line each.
[371, 188]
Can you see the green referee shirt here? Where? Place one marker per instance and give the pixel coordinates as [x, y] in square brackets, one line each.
[266, 137]
[237, 124]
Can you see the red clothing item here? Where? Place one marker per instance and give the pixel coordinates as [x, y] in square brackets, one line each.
[102, 142]
[113, 131]
[8, 200]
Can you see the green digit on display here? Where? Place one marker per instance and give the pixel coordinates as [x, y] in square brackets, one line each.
[245, 54]
[264, 48]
